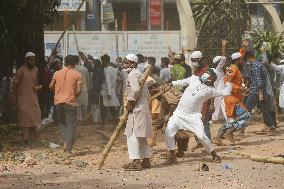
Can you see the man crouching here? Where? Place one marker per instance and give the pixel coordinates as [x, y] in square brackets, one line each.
[187, 115]
[138, 126]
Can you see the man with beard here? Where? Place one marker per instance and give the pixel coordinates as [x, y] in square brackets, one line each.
[25, 88]
[187, 115]
[138, 126]
[200, 67]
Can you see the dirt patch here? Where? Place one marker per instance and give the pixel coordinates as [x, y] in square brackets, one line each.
[41, 167]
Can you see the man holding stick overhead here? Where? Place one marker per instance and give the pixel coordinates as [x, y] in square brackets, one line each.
[138, 126]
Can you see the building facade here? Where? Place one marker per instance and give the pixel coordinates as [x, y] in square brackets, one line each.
[142, 15]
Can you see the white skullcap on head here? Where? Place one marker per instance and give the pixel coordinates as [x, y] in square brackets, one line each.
[132, 57]
[47, 52]
[216, 59]
[196, 54]
[29, 54]
[236, 56]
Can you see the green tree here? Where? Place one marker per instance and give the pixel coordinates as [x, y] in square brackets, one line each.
[21, 26]
[217, 20]
[275, 42]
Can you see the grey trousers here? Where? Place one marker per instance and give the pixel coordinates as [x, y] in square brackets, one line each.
[67, 118]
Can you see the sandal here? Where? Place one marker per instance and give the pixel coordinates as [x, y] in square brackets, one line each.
[134, 166]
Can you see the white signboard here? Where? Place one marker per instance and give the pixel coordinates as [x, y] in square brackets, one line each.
[71, 5]
[50, 40]
[154, 44]
[95, 44]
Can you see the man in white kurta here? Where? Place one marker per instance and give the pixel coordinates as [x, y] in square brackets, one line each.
[187, 116]
[110, 100]
[219, 103]
[138, 126]
[280, 70]
[83, 97]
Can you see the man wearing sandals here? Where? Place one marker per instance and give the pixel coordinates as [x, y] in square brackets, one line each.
[187, 115]
[138, 126]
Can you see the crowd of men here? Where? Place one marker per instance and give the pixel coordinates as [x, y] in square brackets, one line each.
[229, 87]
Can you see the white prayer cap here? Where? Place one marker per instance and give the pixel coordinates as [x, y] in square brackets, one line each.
[132, 57]
[196, 54]
[29, 54]
[48, 52]
[216, 59]
[236, 56]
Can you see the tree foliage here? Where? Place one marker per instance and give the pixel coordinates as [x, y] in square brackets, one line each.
[217, 20]
[22, 23]
[203, 9]
[275, 42]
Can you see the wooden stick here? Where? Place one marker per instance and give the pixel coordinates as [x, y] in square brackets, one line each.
[58, 41]
[276, 160]
[266, 159]
[122, 122]
[76, 40]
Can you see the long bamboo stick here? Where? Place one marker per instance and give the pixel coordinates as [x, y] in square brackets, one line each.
[122, 122]
[266, 159]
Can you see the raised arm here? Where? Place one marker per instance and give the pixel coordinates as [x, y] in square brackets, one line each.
[223, 60]
[184, 82]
